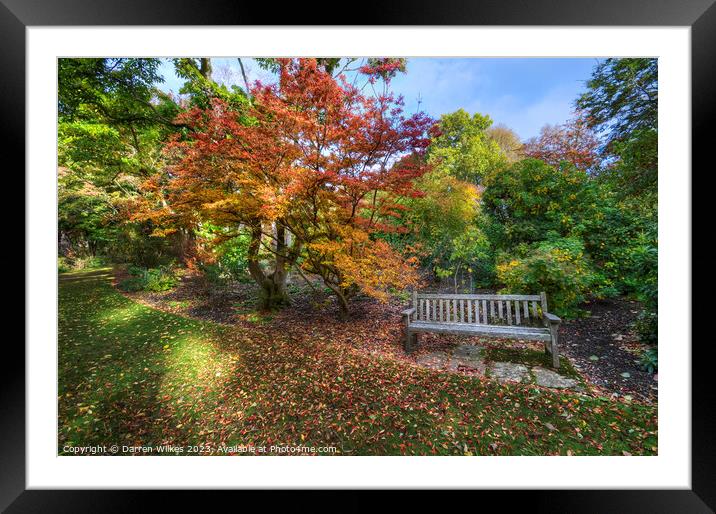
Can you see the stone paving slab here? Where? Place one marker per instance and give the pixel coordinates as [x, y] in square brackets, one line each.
[470, 357]
[475, 365]
[467, 356]
[468, 351]
[548, 378]
[509, 371]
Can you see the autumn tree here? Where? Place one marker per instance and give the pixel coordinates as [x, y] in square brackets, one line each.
[228, 173]
[311, 176]
[508, 141]
[371, 68]
[354, 147]
[573, 141]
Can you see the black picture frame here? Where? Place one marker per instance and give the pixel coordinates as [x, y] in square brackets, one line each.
[700, 15]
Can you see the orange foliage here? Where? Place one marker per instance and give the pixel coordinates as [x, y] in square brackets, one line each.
[312, 155]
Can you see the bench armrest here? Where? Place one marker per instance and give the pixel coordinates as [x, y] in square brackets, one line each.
[408, 312]
[552, 319]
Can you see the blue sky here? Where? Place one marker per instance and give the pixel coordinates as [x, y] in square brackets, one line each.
[523, 94]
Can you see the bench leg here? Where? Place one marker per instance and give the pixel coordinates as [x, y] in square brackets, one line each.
[411, 341]
[554, 349]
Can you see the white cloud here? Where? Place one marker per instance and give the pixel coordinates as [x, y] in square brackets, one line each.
[442, 84]
[556, 107]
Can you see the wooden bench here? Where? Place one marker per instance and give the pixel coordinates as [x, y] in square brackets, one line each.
[493, 315]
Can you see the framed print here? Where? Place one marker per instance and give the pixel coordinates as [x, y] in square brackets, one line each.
[437, 248]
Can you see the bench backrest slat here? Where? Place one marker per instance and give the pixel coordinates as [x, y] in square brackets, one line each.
[543, 302]
[487, 309]
[534, 297]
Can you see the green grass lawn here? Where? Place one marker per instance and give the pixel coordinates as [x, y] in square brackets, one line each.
[131, 375]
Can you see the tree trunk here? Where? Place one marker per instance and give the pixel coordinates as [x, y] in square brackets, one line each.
[273, 285]
[205, 67]
[185, 246]
[92, 247]
[246, 79]
[342, 303]
[273, 292]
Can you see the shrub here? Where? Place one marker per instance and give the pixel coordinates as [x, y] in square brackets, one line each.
[136, 271]
[649, 360]
[63, 266]
[603, 286]
[647, 327]
[644, 278]
[213, 274]
[152, 279]
[532, 199]
[401, 295]
[642, 270]
[90, 262]
[132, 284]
[558, 267]
[228, 262]
[160, 279]
[233, 257]
[610, 235]
[135, 242]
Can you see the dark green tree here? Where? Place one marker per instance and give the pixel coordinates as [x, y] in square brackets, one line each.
[201, 88]
[112, 125]
[622, 102]
[622, 97]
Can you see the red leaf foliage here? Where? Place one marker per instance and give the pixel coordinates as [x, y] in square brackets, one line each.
[573, 142]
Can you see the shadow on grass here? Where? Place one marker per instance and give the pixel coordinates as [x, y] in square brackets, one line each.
[129, 374]
[85, 276]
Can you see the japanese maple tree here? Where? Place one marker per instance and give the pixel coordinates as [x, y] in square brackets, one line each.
[312, 171]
